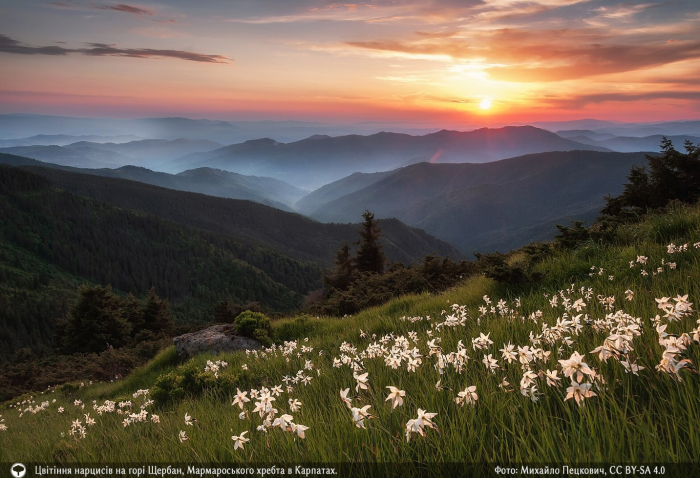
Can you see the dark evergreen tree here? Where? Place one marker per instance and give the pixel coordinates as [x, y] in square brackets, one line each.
[224, 312]
[370, 255]
[96, 322]
[341, 275]
[671, 176]
[156, 314]
[133, 312]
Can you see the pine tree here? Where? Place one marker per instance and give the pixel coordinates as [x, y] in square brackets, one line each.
[370, 256]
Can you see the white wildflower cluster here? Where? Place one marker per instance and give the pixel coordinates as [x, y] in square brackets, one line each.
[674, 346]
[3, 427]
[675, 311]
[214, 367]
[78, 430]
[264, 399]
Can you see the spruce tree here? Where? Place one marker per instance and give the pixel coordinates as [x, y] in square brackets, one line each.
[370, 256]
[96, 322]
[156, 314]
[341, 275]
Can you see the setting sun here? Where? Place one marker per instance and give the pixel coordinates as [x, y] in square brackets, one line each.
[485, 104]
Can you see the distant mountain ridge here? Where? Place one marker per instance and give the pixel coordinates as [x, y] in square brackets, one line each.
[629, 144]
[245, 221]
[272, 192]
[486, 207]
[170, 128]
[149, 153]
[64, 139]
[318, 160]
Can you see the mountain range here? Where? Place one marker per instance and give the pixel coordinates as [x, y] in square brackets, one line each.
[213, 182]
[149, 153]
[482, 207]
[320, 159]
[245, 221]
[627, 144]
[64, 139]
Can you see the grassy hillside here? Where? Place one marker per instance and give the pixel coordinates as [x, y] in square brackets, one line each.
[635, 297]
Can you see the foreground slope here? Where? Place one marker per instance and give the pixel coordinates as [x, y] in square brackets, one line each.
[490, 373]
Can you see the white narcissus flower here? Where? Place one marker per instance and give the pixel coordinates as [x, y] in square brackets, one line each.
[631, 367]
[575, 367]
[395, 396]
[238, 441]
[361, 381]
[359, 415]
[188, 420]
[283, 422]
[344, 397]
[552, 379]
[299, 430]
[417, 425]
[468, 396]
[183, 436]
[294, 405]
[579, 392]
[240, 399]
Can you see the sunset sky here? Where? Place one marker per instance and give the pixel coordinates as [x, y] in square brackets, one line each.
[445, 62]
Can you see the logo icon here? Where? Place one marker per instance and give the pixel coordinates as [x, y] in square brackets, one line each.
[18, 470]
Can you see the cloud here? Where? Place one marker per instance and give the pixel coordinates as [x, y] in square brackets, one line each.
[436, 34]
[123, 7]
[572, 62]
[452, 49]
[583, 100]
[9, 45]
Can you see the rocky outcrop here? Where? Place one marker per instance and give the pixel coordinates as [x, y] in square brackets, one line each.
[215, 339]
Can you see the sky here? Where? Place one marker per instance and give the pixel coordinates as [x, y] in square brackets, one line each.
[431, 62]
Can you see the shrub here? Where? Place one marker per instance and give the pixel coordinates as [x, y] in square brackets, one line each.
[254, 325]
[190, 380]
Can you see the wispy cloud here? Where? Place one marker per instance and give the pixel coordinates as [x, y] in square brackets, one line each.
[123, 7]
[580, 101]
[422, 49]
[10, 45]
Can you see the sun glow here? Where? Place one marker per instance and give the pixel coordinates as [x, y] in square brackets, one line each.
[485, 104]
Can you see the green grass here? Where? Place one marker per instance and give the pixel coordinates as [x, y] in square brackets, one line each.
[647, 418]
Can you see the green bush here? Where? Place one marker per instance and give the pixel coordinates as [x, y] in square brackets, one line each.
[254, 325]
[190, 380]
